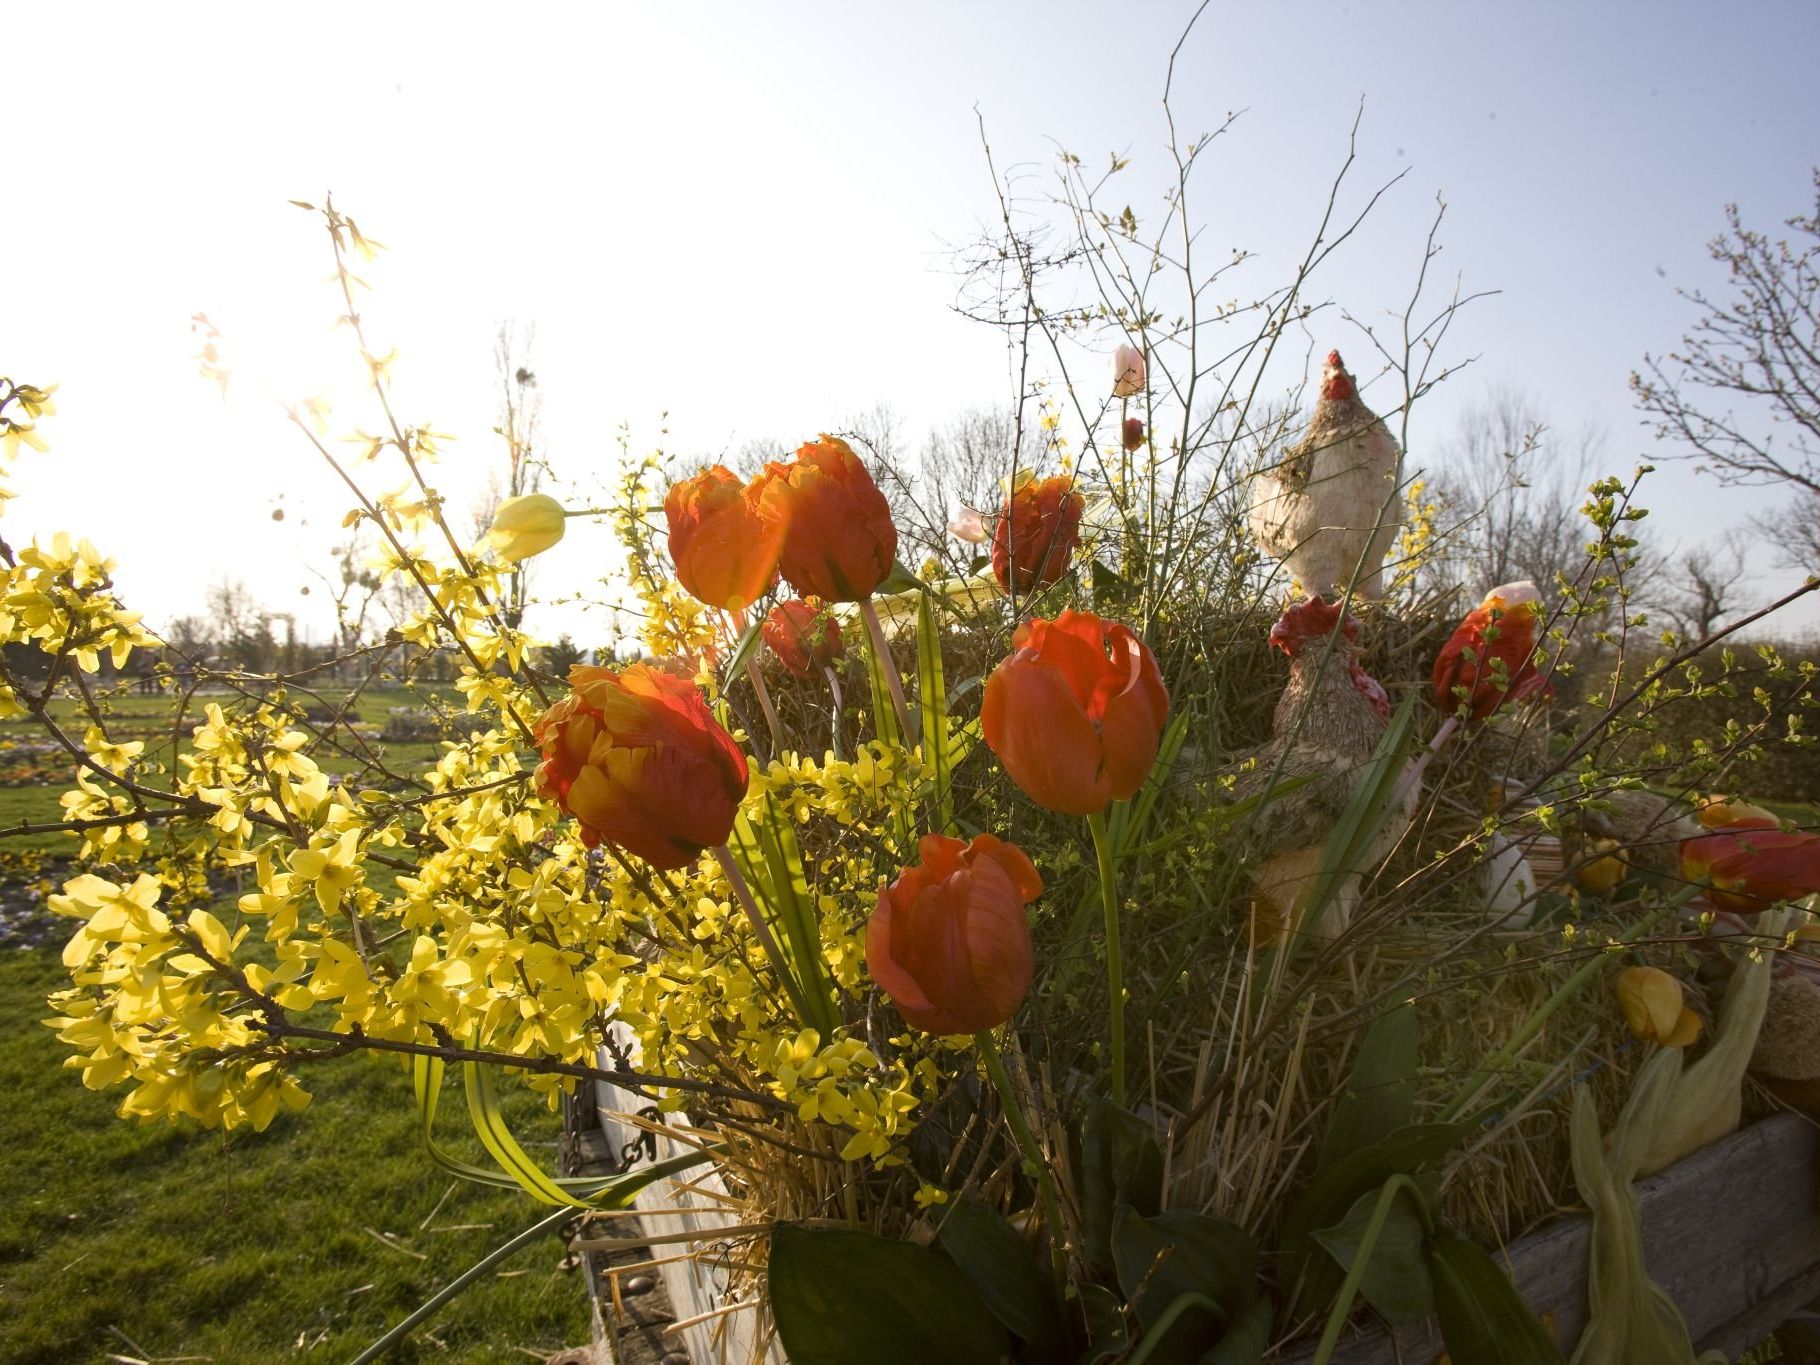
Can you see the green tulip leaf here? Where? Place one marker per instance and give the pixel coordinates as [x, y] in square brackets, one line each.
[1175, 1254]
[1395, 1280]
[840, 1296]
[1005, 1272]
[1121, 1164]
[899, 580]
[742, 651]
[1333, 1191]
[1483, 1318]
[1107, 1330]
[1245, 1341]
[1380, 1095]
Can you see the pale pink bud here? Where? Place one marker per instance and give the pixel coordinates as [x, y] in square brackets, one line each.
[970, 526]
[1127, 372]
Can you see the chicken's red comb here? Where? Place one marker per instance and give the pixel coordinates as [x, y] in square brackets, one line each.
[1334, 362]
[1313, 619]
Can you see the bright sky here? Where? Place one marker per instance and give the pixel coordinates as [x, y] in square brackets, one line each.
[738, 215]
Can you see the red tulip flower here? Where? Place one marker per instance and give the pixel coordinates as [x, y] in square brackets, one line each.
[1491, 654]
[1131, 433]
[950, 941]
[839, 544]
[1747, 869]
[1038, 531]
[724, 542]
[1076, 713]
[636, 757]
[803, 634]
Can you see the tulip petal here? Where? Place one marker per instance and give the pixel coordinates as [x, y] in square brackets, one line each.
[1685, 1032]
[1014, 860]
[953, 951]
[1033, 721]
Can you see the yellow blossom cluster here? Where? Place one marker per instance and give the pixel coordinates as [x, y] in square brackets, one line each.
[459, 907]
[444, 910]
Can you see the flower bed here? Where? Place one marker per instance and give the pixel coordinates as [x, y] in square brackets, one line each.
[1076, 951]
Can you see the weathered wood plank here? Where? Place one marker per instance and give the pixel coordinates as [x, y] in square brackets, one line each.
[687, 1205]
[1731, 1233]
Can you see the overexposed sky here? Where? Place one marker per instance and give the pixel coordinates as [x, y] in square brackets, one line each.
[740, 216]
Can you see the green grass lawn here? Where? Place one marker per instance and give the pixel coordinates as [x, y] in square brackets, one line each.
[124, 1239]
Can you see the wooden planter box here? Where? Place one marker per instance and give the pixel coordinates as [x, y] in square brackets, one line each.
[1732, 1233]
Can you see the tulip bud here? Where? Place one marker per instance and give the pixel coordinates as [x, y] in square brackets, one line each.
[1653, 1009]
[1491, 654]
[970, 526]
[1076, 713]
[950, 940]
[1132, 434]
[526, 525]
[724, 542]
[839, 544]
[639, 760]
[1038, 531]
[1728, 812]
[1128, 372]
[1604, 870]
[803, 634]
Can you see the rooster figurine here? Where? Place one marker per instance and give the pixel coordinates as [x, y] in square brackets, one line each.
[1327, 724]
[1332, 507]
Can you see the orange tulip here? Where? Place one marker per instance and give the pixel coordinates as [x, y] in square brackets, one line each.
[1038, 530]
[1748, 868]
[839, 544]
[950, 942]
[1491, 654]
[803, 634]
[724, 542]
[636, 757]
[1076, 713]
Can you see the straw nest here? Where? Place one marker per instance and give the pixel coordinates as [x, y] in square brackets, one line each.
[1240, 1054]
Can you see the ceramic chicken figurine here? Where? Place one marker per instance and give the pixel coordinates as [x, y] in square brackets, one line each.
[1333, 505]
[1327, 723]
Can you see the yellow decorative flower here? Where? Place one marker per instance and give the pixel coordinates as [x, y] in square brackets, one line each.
[1653, 1008]
[526, 526]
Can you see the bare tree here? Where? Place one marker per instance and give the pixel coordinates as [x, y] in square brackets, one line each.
[966, 461]
[1699, 589]
[1510, 497]
[353, 586]
[240, 626]
[1741, 396]
[520, 411]
[1793, 530]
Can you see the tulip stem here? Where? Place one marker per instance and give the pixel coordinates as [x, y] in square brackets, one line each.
[840, 707]
[762, 931]
[763, 694]
[1027, 1144]
[1115, 960]
[876, 633]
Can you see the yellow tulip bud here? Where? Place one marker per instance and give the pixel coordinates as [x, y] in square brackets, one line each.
[1724, 812]
[526, 526]
[1600, 873]
[1652, 1003]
